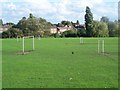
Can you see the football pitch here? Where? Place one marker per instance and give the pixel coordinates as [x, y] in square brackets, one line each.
[60, 63]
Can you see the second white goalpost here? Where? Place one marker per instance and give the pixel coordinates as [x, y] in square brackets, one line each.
[81, 39]
[23, 43]
[39, 37]
[103, 46]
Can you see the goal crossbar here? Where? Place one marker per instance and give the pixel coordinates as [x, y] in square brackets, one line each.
[28, 37]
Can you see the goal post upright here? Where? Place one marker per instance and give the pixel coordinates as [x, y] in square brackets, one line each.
[23, 44]
[17, 38]
[33, 43]
[81, 39]
[39, 37]
[98, 46]
[103, 46]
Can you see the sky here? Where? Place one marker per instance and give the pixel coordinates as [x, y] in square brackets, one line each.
[55, 11]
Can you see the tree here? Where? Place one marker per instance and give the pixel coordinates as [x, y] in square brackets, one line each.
[104, 19]
[118, 29]
[100, 29]
[89, 22]
[77, 22]
[5, 34]
[12, 33]
[1, 22]
[119, 20]
[33, 26]
[43, 25]
[103, 30]
[47, 33]
[22, 24]
[68, 23]
[31, 15]
[60, 25]
[113, 29]
[10, 24]
[69, 33]
[81, 32]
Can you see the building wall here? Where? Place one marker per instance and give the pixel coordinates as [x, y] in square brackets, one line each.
[53, 30]
[60, 29]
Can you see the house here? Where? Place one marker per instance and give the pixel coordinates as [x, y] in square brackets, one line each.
[4, 28]
[78, 27]
[53, 30]
[60, 29]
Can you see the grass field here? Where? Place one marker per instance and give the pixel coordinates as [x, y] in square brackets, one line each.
[52, 64]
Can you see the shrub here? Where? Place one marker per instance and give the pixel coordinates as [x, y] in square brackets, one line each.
[69, 33]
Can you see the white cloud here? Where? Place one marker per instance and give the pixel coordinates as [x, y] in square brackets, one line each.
[90, 3]
[4, 0]
[0, 13]
[11, 1]
[40, 6]
[60, 10]
[106, 9]
[62, 7]
[11, 6]
[96, 17]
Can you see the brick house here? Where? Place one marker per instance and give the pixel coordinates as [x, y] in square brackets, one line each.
[60, 29]
[4, 28]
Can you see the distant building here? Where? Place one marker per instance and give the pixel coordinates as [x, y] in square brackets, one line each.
[53, 30]
[4, 28]
[78, 27]
[60, 29]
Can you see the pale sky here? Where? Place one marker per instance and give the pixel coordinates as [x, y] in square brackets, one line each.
[57, 10]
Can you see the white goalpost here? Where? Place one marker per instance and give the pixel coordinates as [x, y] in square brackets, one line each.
[98, 46]
[39, 37]
[81, 39]
[103, 46]
[23, 43]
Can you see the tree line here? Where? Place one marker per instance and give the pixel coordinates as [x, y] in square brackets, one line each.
[39, 26]
[102, 28]
[27, 27]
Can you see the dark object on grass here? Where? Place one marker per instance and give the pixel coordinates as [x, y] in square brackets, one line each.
[72, 52]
